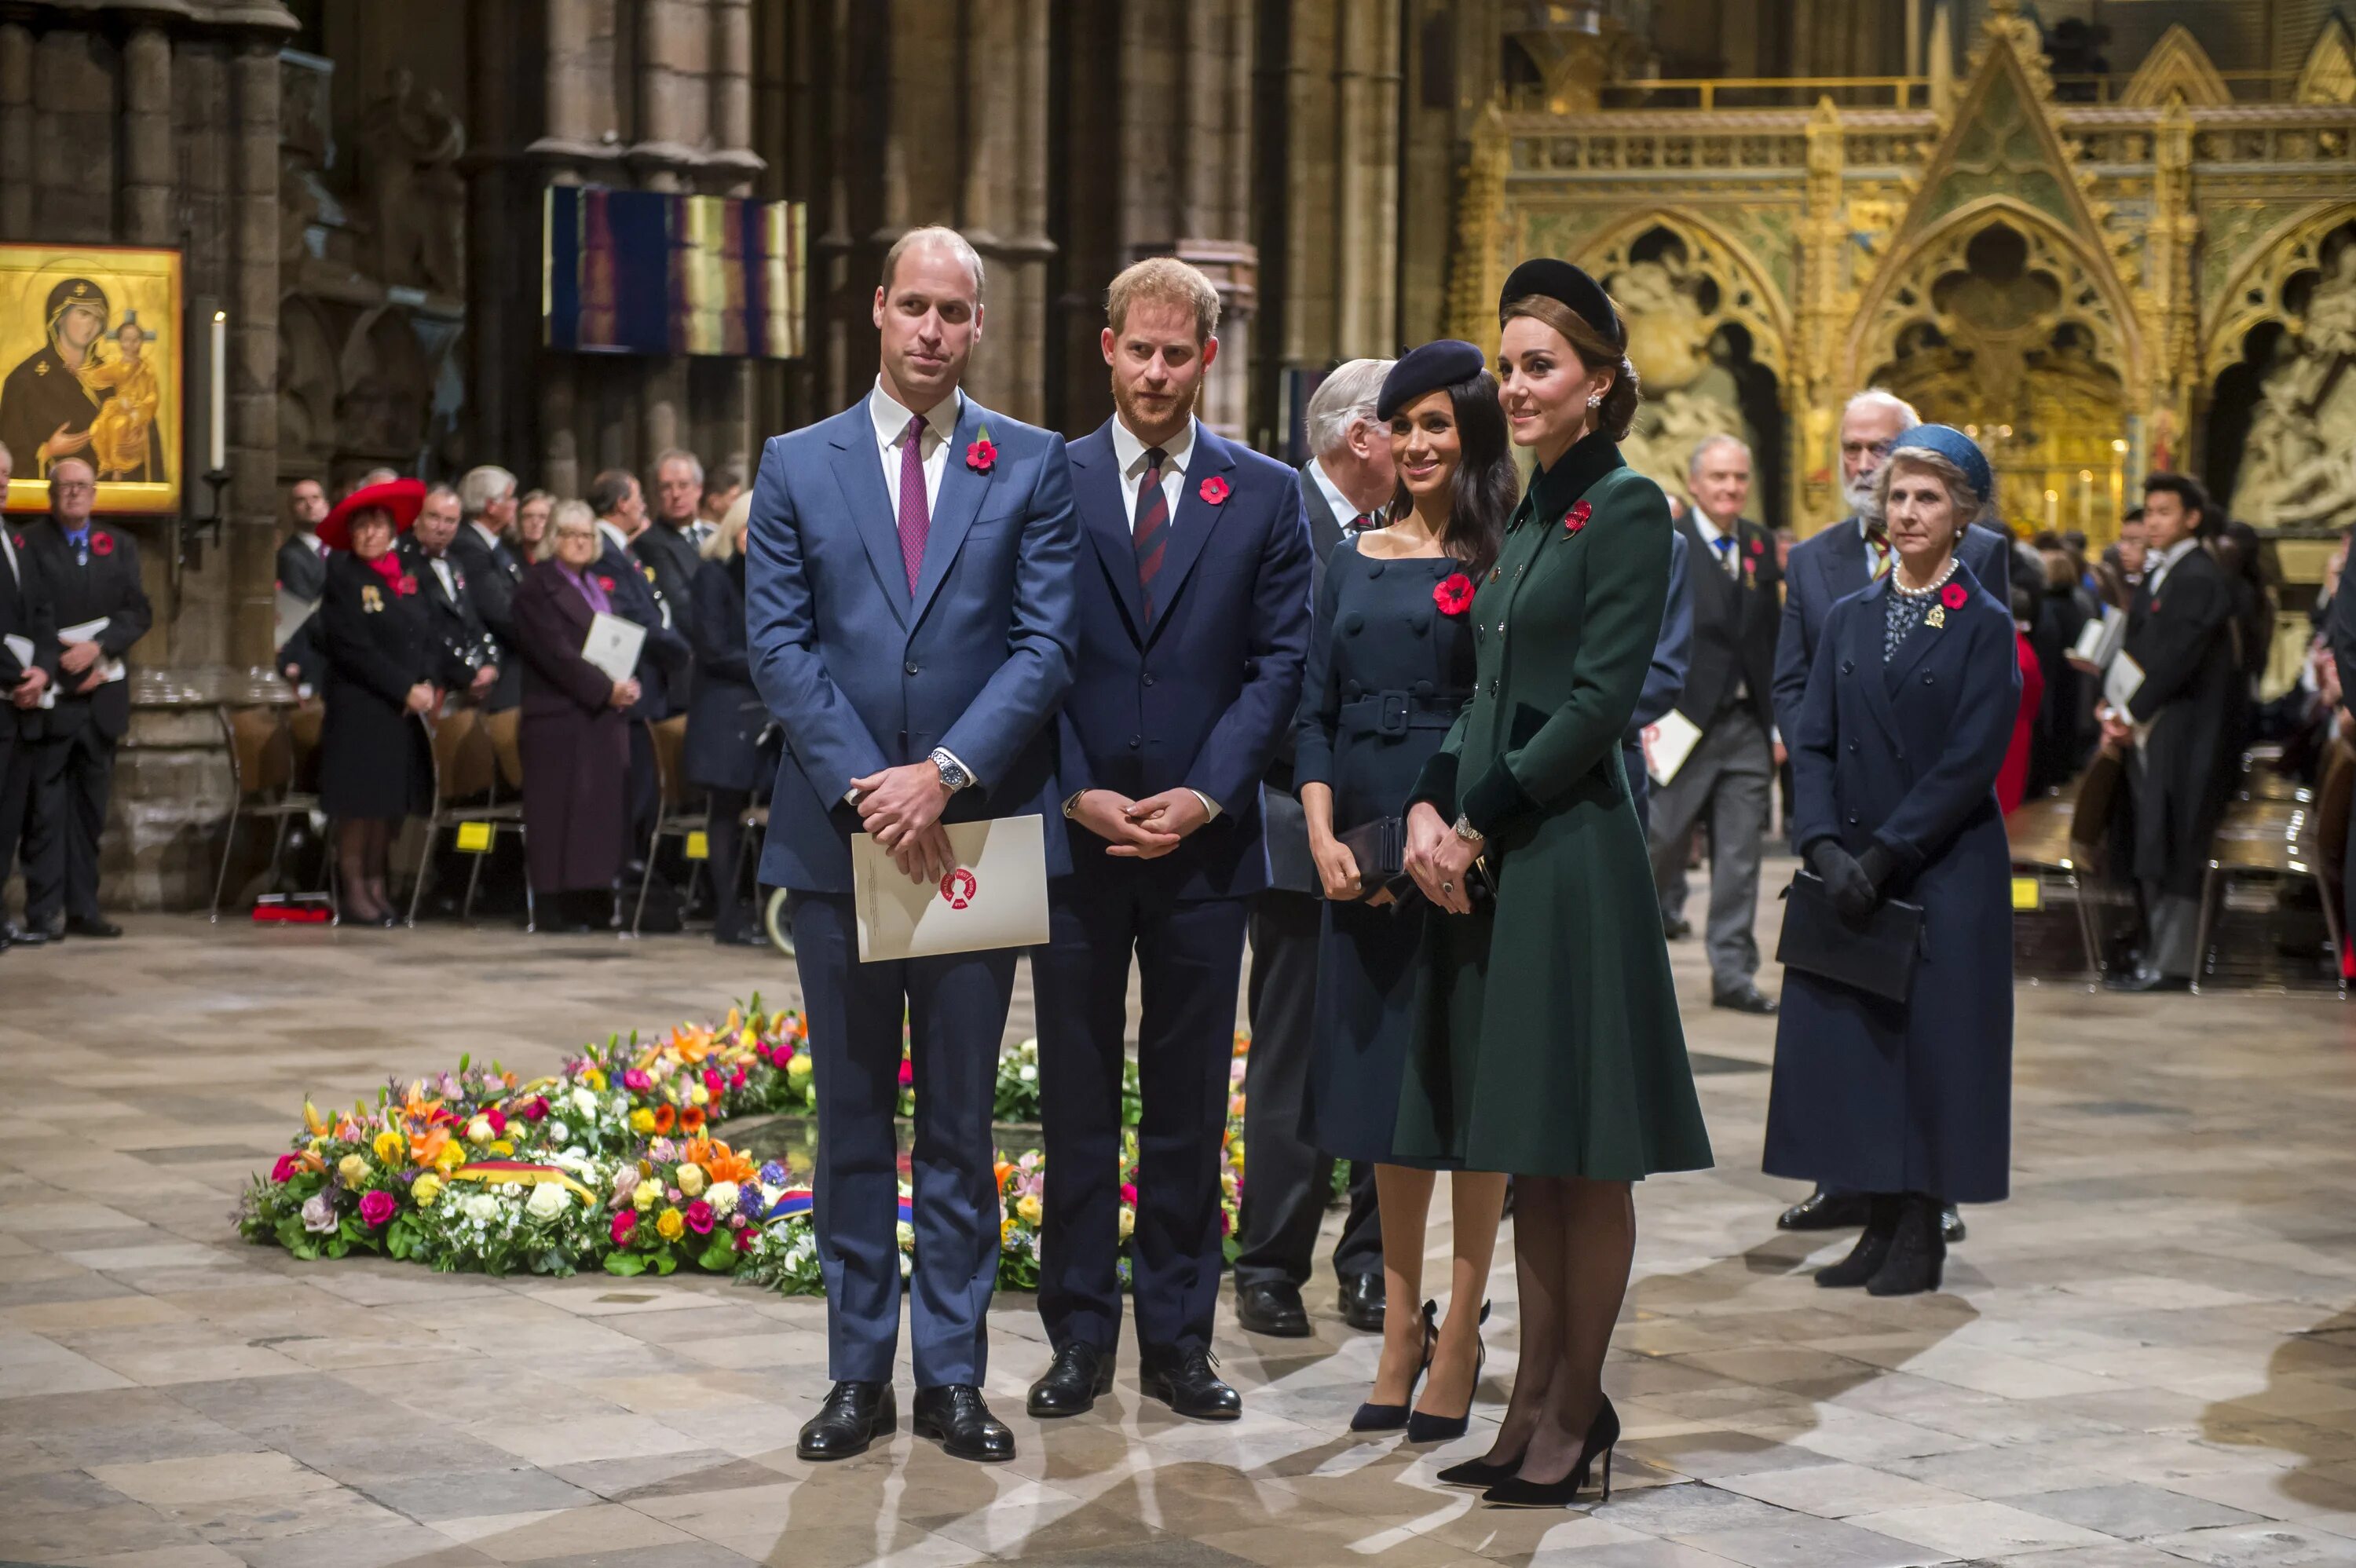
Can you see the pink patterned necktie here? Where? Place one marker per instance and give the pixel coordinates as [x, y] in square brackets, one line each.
[915, 518]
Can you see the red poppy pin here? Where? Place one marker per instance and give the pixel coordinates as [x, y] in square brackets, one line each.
[1452, 593]
[607, 583]
[1214, 490]
[101, 544]
[1757, 546]
[1576, 519]
[982, 456]
[406, 586]
[1953, 596]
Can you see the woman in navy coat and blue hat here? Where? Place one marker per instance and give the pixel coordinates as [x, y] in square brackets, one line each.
[1908, 711]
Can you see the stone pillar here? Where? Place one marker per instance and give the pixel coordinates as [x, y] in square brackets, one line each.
[731, 169]
[16, 131]
[579, 89]
[1002, 201]
[147, 173]
[1340, 99]
[74, 129]
[252, 497]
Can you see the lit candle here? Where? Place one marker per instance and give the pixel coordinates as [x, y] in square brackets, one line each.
[2053, 509]
[221, 391]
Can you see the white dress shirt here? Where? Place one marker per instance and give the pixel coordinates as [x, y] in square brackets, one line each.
[441, 569]
[2155, 570]
[892, 424]
[311, 542]
[1728, 560]
[1345, 512]
[1130, 453]
[488, 535]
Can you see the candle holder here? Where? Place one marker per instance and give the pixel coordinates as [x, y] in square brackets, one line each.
[189, 552]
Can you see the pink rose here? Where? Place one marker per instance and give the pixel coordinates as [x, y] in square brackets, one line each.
[907, 1073]
[285, 1168]
[499, 1122]
[698, 1217]
[1129, 1193]
[637, 1078]
[714, 1084]
[625, 1223]
[533, 1109]
[745, 1240]
[376, 1206]
[736, 1078]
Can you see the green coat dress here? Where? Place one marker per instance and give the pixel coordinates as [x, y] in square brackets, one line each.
[1545, 1037]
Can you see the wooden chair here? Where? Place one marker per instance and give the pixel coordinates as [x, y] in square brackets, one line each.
[2058, 840]
[2276, 841]
[263, 760]
[673, 817]
[467, 769]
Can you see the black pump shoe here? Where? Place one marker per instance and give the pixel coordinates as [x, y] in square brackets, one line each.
[1071, 1383]
[1391, 1417]
[1424, 1427]
[853, 1416]
[1184, 1377]
[956, 1416]
[1872, 1247]
[1602, 1436]
[1478, 1473]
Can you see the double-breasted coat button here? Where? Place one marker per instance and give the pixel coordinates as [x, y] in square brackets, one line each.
[1926, 677]
[1846, 666]
[1353, 623]
[1492, 686]
[1374, 569]
[1852, 748]
[1149, 680]
[1852, 819]
[910, 667]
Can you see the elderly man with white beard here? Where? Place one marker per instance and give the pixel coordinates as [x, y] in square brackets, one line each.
[1823, 569]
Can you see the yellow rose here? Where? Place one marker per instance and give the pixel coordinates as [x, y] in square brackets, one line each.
[747, 1040]
[353, 1169]
[1128, 1220]
[594, 1079]
[644, 1195]
[691, 1180]
[669, 1225]
[478, 1131]
[452, 1156]
[1028, 1206]
[699, 1095]
[425, 1189]
[501, 1147]
[1006, 1231]
[391, 1148]
[800, 1066]
[642, 1121]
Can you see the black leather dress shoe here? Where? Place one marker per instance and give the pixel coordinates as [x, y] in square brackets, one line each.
[956, 1416]
[1071, 1383]
[1745, 999]
[853, 1416]
[1186, 1380]
[1362, 1302]
[1824, 1210]
[23, 935]
[32, 934]
[1272, 1308]
[1675, 927]
[749, 937]
[1951, 1224]
[77, 926]
[2147, 982]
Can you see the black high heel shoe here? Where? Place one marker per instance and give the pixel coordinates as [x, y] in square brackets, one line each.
[1478, 1473]
[1602, 1436]
[1424, 1428]
[1391, 1417]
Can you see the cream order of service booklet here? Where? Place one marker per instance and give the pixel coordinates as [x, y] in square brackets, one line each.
[997, 896]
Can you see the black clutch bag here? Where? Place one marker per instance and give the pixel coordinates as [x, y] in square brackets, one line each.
[1380, 849]
[1876, 957]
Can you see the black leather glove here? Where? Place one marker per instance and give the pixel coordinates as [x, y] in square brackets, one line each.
[1845, 879]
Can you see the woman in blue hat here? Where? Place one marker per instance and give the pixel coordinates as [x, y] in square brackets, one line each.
[1908, 711]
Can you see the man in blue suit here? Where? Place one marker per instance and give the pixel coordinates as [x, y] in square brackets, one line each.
[909, 613]
[1827, 567]
[1194, 619]
[1665, 681]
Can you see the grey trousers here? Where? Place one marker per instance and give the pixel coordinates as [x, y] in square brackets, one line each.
[1729, 775]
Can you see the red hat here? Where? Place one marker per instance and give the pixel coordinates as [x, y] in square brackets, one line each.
[404, 498]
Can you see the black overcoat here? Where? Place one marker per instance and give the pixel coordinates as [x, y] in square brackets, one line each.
[576, 746]
[725, 716]
[100, 582]
[375, 758]
[2179, 637]
[492, 572]
[1876, 1096]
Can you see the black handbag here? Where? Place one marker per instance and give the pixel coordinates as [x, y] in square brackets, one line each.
[1380, 849]
[1876, 957]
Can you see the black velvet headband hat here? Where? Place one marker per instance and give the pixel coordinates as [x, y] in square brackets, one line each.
[1426, 369]
[1569, 285]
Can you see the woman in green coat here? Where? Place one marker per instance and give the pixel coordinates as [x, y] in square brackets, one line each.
[1546, 1041]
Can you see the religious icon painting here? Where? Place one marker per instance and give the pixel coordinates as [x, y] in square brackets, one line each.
[93, 354]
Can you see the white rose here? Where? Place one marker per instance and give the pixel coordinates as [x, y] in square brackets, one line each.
[584, 1101]
[559, 1133]
[1028, 1072]
[722, 1197]
[546, 1202]
[483, 1207]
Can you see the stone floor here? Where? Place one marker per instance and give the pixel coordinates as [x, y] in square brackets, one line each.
[2146, 1358]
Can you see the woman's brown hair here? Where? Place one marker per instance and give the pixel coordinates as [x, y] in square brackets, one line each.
[1619, 407]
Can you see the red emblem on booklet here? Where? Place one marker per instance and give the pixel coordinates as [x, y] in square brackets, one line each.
[1452, 593]
[981, 457]
[1576, 519]
[1214, 490]
[1953, 596]
[101, 544]
[958, 887]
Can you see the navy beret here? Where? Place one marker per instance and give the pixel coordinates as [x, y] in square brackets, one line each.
[1957, 447]
[1560, 281]
[1426, 369]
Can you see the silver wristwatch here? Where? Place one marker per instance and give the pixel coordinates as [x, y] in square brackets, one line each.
[953, 775]
[1465, 830]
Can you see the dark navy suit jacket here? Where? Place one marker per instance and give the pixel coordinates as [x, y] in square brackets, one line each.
[633, 598]
[865, 675]
[1201, 696]
[1827, 568]
[1664, 680]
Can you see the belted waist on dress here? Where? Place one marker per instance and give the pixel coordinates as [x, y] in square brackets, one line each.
[1397, 712]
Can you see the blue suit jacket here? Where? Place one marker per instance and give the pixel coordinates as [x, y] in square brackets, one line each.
[1827, 568]
[1201, 696]
[865, 675]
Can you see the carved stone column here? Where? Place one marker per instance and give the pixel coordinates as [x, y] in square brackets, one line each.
[147, 174]
[16, 131]
[1824, 258]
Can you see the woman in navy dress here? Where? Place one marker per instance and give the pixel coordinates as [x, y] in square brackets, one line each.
[1390, 663]
[1909, 713]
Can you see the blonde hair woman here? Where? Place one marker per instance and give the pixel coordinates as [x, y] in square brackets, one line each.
[535, 540]
[725, 719]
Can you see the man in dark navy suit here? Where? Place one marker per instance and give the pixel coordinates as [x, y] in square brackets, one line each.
[29, 663]
[909, 612]
[303, 573]
[1823, 569]
[1193, 622]
[621, 507]
[487, 496]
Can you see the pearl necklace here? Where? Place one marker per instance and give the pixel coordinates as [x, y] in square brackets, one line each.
[1896, 573]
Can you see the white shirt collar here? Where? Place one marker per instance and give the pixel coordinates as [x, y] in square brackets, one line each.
[488, 536]
[310, 538]
[2154, 567]
[1345, 512]
[1711, 532]
[1130, 452]
[891, 416]
[614, 535]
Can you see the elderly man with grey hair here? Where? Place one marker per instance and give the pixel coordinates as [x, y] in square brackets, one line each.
[487, 497]
[671, 549]
[1727, 777]
[1344, 485]
[1826, 567]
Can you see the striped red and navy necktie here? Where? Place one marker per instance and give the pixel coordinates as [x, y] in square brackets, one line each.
[1152, 530]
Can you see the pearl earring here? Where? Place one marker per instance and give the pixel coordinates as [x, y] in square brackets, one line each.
[1596, 401]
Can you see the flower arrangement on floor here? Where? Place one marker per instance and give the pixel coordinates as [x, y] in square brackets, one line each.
[614, 1163]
